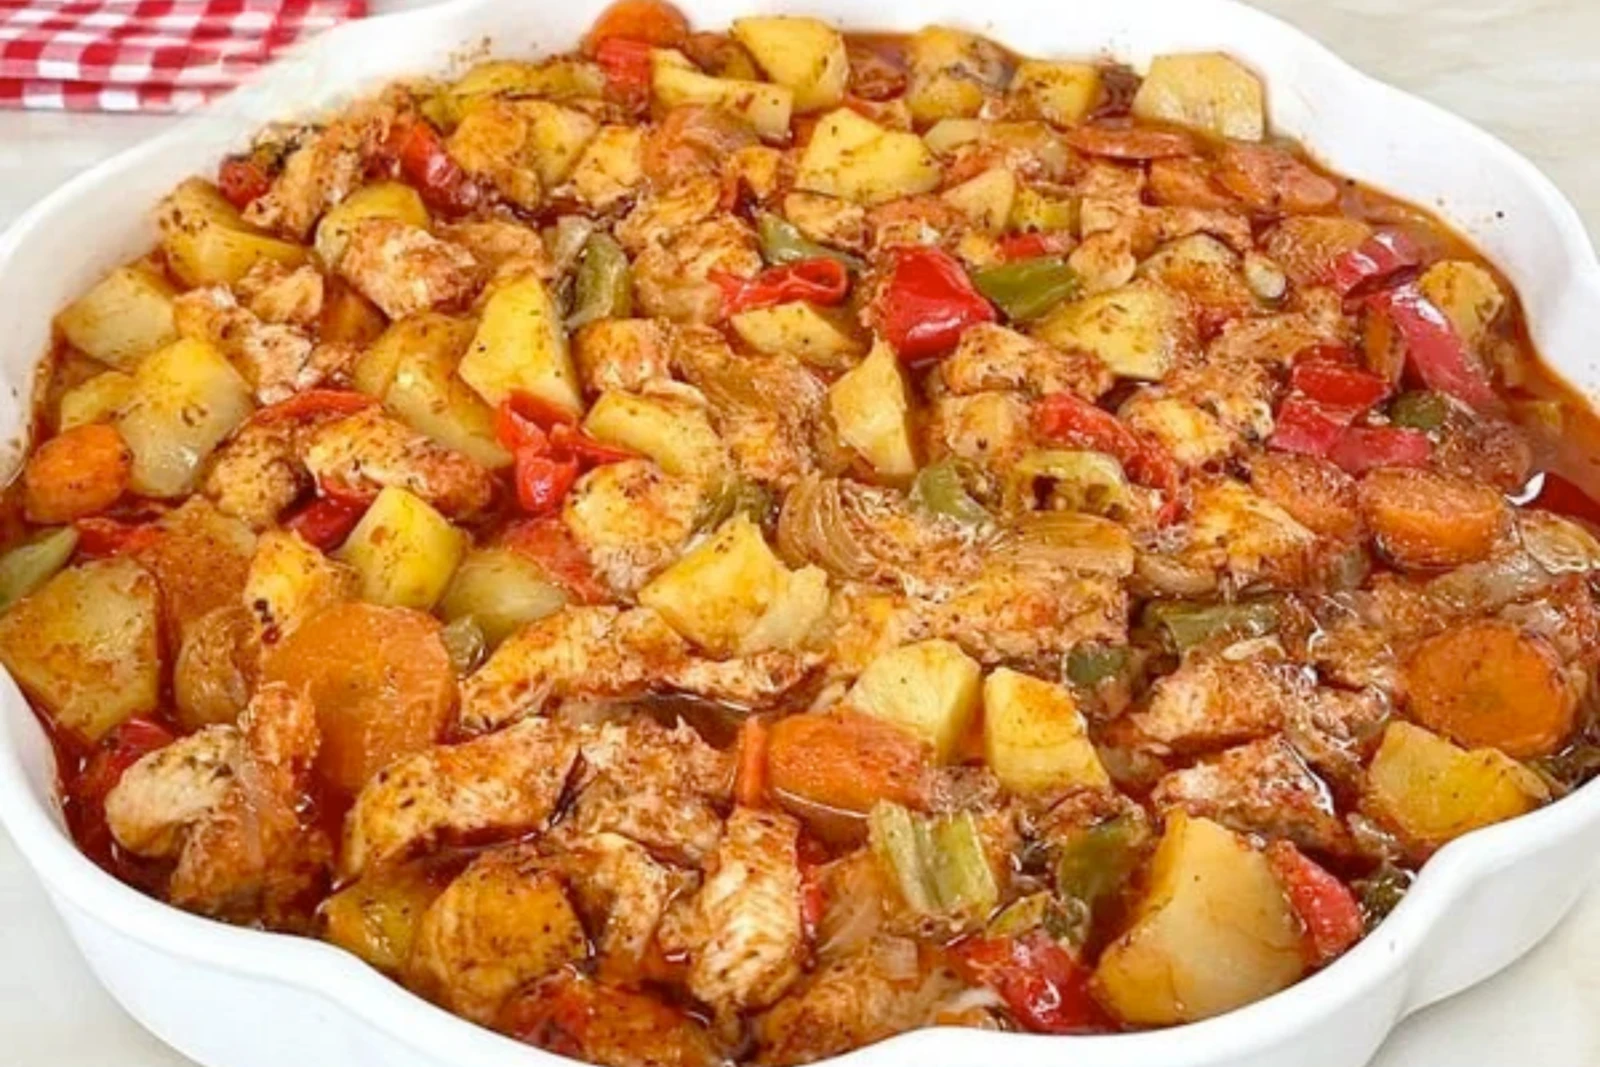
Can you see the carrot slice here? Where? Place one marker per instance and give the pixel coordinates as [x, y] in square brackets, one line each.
[79, 473]
[844, 761]
[1488, 684]
[1424, 520]
[651, 22]
[381, 681]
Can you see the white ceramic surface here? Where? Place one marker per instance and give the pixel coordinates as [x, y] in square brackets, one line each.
[233, 998]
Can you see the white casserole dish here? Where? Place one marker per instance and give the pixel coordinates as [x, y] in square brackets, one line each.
[231, 997]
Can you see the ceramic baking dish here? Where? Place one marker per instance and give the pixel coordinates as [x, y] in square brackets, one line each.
[231, 997]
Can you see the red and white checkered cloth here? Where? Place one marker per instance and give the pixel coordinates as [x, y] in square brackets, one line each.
[146, 55]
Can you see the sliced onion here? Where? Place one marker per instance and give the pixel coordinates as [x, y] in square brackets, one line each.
[1560, 545]
[867, 533]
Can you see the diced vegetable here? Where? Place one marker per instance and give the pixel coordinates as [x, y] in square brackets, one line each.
[927, 303]
[986, 200]
[1432, 792]
[557, 137]
[127, 315]
[1381, 892]
[425, 392]
[604, 286]
[718, 591]
[289, 581]
[427, 165]
[767, 107]
[1065, 419]
[1485, 683]
[1433, 348]
[843, 761]
[185, 399]
[80, 472]
[951, 73]
[1034, 738]
[404, 551]
[870, 406]
[782, 243]
[1421, 519]
[29, 565]
[930, 688]
[792, 617]
[1091, 482]
[854, 158]
[1137, 330]
[1094, 863]
[348, 317]
[1058, 92]
[1205, 90]
[821, 337]
[380, 679]
[465, 645]
[806, 55]
[1363, 448]
[674, 433]
[377, 917]
[1468, 296]
[1327, 910]
[1045, 989]
[819, 281]
[1338, 384]
[521, 346]
[938, 864]
[1028, 288]
[1090, 665]
[1189, 625]
[502, 590]
[938, 489]
[207, 243]
[100, 399]
[381, 200]
[1376, 258]
[1211, 897]
[86, 645]
[1420, 410]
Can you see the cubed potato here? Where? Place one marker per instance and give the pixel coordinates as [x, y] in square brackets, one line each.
[1058, 92]
[348, 317]
[1213, 932]
[561, 78]
[930, 688]
[126, 316]
[855, 159]
[1033, 212]
[1137, 330]
[206, 241]
[377, 917]
[429, 397]
[380, 200]
[871, 409]
[185, 399]
[86, 645]
[675, 433]
[1467, 294]
[952, 73]
[1034, 737]
[1204, 90]
[502, 590]
[676, 82]
[806, 55]
[821, 337]
[794, 615]
[289, 581]
[719, 590]
[404, 551]
[611, 167]
[1431, 791]
[557, 137]
[986, 200]
[100, 399]
[521, 346]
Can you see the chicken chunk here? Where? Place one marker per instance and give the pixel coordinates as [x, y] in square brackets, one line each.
[279, 294]
[1246, 538]
[743, 931]
[622, 354]
[657, 217]
[671, 278]
[504, 922]
[257, 474]
[991, 357]
[404, 269]
[623, 893]
[632, 520]
[581, 1019]
[507, 783]
[1210, 703]
[277, 359]
[1028, 613]
[828, 220]
[320, 172]
[768, 410]
[158, 799]
[369, 451]
[500, 247]
[1263, 787]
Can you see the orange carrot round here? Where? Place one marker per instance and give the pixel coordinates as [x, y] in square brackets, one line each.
[1424, 520]
[845, 761]
[82, 472]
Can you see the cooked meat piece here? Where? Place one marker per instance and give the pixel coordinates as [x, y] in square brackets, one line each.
[276, 359]
[368, 451]
[624, 354]
[323, 169]
[632, 519]
[405, 269]
[580, 1018]
[623, 893]
[988, 430]
[279, 294]
[1027, 612]
[991, 357]
[257, 474]
[157, 800]
[1210, 702]
[1246, 538]
[504, 784]
[503, 248]
[828, 220]
[671, 277]
[504, 922]
[743, 931]
[660, 215]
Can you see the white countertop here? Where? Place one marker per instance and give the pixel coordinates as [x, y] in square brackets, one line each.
[1528, 70]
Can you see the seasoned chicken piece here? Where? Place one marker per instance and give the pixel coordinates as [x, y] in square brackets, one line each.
[326, 167]
[1244, 537]
[506, 783]
[577, 1017]
[500, 247]
[276, 359]
[1336, 731]
[1210, 703]
[405, 269]
[756, 680]
[490, 143]
[828, 220]
[1263, 787]
[367, 451]
[1239, 394]
[228, 802]
[670, 276]
[991, 431]
[622, 354]
[279, 294]
[1274, 340]
[991, 357]
[632, 520]
[504, 922]
[1189, 433]
[257, 474]
[623, 892]
[857, 1000]
[1028, 612]
[660, 215]
[915, 220]
[1104, 260]
[659, 787]
[743, 931]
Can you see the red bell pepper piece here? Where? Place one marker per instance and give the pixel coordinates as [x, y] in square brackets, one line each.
[927, 303]
[1306, 427]
[315, 402]
[428, 166]
[1328, 911]
[1380, 256]
[1046, 989]
[326, 522]
[243, 180]
[1338, 384]
[1032, 245]
[820, 280]
[627, 67]
[550, 544]
[1070, 420]
[100, 538]
[1559, 495]
[1363, 448]
[542, 480]
[1435, 351]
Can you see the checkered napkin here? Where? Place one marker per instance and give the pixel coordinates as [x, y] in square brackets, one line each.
[146, 55]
